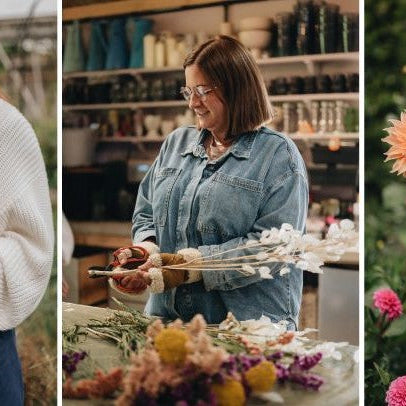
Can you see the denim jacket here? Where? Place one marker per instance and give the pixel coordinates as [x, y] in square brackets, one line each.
[186, 200]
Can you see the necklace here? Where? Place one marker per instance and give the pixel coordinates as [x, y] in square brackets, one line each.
[215, 148]
[216, 143]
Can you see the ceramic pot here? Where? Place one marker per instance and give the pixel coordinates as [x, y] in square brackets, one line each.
[77, 147]
[97, 47]
[167, 127]
[152, 123]
[117, 55]
[142, 27]
[73, 59]
[149, 51]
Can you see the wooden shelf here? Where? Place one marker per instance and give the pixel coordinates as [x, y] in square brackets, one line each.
[120, 7]
[314, 137]
[184, 103]
[133, 140]
[124, 106]
[295, 136]
[117, 72]
[316, 58]
[314, 97]
[280, 60]
[101, 240]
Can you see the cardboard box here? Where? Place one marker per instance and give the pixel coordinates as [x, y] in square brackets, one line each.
[82, 289]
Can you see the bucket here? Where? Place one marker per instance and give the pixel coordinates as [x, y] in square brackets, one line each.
[77, 147]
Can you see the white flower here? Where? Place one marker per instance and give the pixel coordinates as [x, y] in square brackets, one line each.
[284, 271]
[263, 327]
[262, 256]
[265, 272]
[347, 225]
[266, 234]
[250, 243]
[286, 227]
[313, 262]
[303, 265]
[309, 239]
[333, 230]
[269, 237]
[330, 350]
[248, 269]
[272, 397]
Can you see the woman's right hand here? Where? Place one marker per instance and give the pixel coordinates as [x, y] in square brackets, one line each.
[137, 282]
[124, 255]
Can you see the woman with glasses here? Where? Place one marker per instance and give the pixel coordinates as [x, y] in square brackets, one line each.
[26, 240]
[214, 186]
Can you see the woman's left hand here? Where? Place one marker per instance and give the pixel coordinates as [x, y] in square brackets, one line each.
[137, 282]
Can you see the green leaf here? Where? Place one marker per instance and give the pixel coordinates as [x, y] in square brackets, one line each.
[383, 375]
[394, 198]
[402, 236]
[372, 314]
[397, 327]
[370, 348]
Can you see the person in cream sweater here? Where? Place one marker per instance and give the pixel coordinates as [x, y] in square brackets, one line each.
[26, 240]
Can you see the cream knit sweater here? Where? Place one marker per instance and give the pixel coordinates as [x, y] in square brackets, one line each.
[26, 230]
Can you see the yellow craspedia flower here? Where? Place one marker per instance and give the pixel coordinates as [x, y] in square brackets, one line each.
[170, 344]
[229, 393]
[261, 377]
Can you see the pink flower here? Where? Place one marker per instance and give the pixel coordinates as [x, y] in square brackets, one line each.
[387, 301]
[397, 141]
[396, 394]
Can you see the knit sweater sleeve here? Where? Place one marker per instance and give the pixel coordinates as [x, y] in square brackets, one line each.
[26, 230]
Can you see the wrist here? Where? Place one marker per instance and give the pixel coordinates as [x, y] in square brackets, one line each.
[148, 246]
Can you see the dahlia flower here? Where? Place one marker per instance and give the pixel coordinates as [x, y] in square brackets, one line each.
[388, 302]
[396, 394]
[397, 141]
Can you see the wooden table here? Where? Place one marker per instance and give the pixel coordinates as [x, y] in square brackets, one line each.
[341, 379]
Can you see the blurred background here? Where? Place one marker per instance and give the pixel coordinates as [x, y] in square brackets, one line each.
[28, 78]
[385, 193]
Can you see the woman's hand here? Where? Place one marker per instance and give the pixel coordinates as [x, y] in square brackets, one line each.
[140, 281]
[65, 288]
[124, 255]
[137, 282]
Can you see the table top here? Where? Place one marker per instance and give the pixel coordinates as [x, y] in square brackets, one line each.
[341, 378]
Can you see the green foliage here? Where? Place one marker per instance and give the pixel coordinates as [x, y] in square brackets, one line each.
[46, 132]
[385, 193]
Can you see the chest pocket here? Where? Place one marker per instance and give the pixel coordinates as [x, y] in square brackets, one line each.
[229, 207]
[164, 181]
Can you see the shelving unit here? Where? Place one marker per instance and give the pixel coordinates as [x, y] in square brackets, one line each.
[126, 106]
[119, 7]
[308, 60]
[310, 138]
[270, 66]
[183, 103]
[314, 97]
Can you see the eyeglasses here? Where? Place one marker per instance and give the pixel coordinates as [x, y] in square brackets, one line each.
[200, 91]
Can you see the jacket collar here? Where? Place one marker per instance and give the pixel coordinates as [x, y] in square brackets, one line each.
[240, 149]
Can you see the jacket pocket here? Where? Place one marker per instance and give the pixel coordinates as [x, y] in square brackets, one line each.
[164, 182]
[229, 208]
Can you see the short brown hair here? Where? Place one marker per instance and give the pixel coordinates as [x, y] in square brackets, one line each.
[232, 68]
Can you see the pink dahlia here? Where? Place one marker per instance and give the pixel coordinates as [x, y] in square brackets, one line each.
[387, 301]
[396, 394]
[397, 141]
